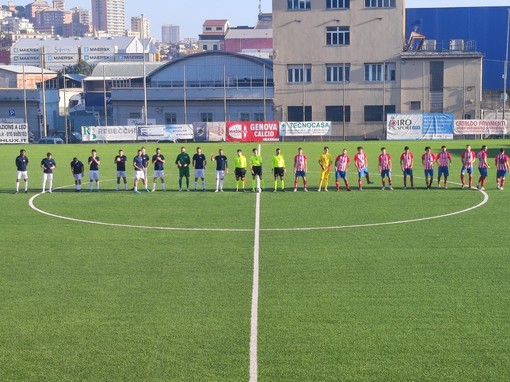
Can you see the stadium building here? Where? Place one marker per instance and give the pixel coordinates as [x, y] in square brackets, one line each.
[351, 62]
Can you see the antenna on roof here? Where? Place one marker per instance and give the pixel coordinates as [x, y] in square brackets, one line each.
[260, 7]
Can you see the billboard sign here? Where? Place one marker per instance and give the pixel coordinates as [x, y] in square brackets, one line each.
[165, 132]
[108, 133]
[419, 126]
[12, 133]
[480, 126]
[253, 132]
[300, 129]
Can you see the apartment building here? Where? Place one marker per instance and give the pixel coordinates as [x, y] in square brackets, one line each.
[351, 63]
[109, 16]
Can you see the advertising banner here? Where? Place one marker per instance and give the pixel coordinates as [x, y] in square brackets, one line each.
[419, 126]
[437, 126]
[200, 131]
[11, 133]
[216, 131]
[480, 126]
[172, 133]
[404, 126]
[253, 132]
[300, 129]
[108, 133]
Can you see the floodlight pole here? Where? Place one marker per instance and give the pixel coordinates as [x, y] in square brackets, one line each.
[505, 71]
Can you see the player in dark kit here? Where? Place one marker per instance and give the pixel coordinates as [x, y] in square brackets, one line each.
[199, 163]
[77, 169]
[120, 161]
[221, 169]
[94, 163]
[158, 160]
[48, 164]
[21, 167]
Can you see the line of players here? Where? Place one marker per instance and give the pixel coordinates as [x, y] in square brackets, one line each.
[142, 161]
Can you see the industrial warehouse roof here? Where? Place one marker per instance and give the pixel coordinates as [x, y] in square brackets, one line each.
[28, 69]
[122, 70]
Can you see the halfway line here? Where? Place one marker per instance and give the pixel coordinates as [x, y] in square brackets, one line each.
[255, 290]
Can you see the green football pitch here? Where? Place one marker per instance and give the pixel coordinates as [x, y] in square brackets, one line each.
[403, 285]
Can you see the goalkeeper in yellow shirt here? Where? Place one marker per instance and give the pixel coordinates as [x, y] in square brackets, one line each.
[325, 161]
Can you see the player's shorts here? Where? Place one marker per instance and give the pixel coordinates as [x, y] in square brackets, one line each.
[278, 171]
[362, 172]
[22, 175]
[469, 170]
[121, 174]
[47, 177]
[139, 175]
[159, 174]
[94, 175]
[257, 170]
[200, 173]
[220, 174]
[408, 171]
[240, 173]
[324, 174]
[300, 173]
[78, 176]
[341, 174]
[429, 172]
[385, 173]
[443, 170]
[184, 171]
[501, 174]
[483, 172]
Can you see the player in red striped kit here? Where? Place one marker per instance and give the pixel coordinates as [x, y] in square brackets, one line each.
[468, 158]
[300, 169]
[384, 161]
[406, 164]
[342, 163]
[483, 167]
[361, 162]
[502, 168]
[428, 159]
[444, 161]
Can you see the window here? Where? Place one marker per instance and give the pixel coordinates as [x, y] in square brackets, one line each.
[436, 76]
[135, 115]
[299, 73]
[299, 4]
[258, 117]
[337, 4]
[244, 117]
[374, 72]
[204, 47]
[215, 47]
[219, 29]
[379, 3]
[338, 36]
[374, 113]
[336, 113]
[415, 105]
[208, 29]
[299, 113]
[170, 118]
[338, 72]
[206, 117]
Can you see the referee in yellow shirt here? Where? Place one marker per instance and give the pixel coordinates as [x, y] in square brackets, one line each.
[325, 161]
[279, 170]
[240, 169]
[256, 170]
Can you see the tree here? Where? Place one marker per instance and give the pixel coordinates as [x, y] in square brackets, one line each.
[82, 67]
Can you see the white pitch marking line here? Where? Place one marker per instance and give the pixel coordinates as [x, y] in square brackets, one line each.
[255, 295]
[191, 229]
[255, 287]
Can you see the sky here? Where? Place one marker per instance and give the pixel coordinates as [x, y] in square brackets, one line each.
[190, 14]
